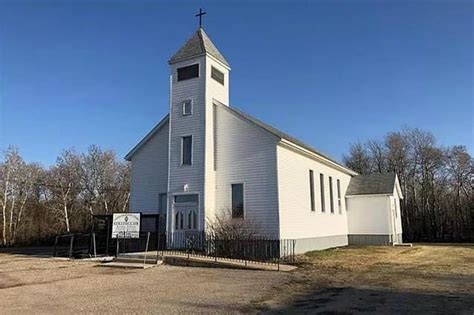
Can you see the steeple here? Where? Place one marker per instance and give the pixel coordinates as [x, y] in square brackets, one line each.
[198, 45]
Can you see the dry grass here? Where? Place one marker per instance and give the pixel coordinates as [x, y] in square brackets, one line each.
[424, 267]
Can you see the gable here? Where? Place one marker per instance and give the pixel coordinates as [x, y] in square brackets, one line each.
[148, 136]
[288, 140]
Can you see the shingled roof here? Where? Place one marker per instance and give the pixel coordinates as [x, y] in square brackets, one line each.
[282, 135]
[372, 184]
[199, 44]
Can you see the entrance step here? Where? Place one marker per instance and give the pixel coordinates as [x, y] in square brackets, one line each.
[116, 264]
[137, 260]
[404, 245]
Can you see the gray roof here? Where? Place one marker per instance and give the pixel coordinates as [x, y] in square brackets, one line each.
[282, 135]
[199, 44]
[372, 184]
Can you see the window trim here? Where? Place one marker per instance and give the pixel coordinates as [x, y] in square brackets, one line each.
[183, 107]
[212, 75]
[189, 65]
[243, 201]
[192, 150]
[321, 190]
[160, 195]
[311, 191]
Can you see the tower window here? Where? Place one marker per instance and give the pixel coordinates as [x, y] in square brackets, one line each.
[188, 72]
[187, 107]
[217, 75]
[186, 150]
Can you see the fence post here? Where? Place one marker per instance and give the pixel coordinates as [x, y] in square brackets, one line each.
[94, 245]
[146, 247]
[55, 246]
[293, 255]
[117, 249]
[71, 245]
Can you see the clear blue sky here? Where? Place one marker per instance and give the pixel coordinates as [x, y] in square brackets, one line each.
[75, 73]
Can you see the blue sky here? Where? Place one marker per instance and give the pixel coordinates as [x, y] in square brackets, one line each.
[75, 73]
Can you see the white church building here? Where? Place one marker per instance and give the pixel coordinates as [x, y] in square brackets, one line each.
[206, 157]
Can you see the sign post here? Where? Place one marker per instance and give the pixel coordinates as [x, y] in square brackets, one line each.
[126, 225]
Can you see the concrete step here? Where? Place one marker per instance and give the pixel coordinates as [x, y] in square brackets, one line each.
[137, 260]
[115, 264]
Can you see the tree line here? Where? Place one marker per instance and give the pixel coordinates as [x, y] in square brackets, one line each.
[37, 203]
[437, 182]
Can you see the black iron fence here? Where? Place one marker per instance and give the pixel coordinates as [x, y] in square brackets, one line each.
[76, 245]
[255, 249]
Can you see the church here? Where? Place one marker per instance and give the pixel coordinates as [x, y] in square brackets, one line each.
[206, 158]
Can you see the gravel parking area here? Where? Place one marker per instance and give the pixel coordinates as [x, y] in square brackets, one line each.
[422, 279]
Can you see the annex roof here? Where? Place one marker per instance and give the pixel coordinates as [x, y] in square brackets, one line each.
[372, 184]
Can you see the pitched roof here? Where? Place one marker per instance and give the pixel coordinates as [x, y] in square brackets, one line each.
[372, 184]
[282, 135]
[199, 44]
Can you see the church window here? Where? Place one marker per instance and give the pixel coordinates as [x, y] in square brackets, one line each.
[188, 72]
[321, 185]
[217, 75]
[311, 189]
[237, 200]
[186, 198]
[179, 221]
[339, 200]
[186, 150]
[331, 195]
[187, 107]
[192, 220]
[162, 203]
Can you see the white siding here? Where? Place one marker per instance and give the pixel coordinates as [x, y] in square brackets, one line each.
[246, 154]
[369, 215]
[149, 175]
[214, 91]
[180, 126]
[296, 218]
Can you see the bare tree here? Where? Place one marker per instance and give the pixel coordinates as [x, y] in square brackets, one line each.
[223, 226]
[358, 159]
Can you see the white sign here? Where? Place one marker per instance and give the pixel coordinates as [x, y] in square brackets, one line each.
[126, 225]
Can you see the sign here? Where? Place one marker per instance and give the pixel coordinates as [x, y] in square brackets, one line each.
[126, 225]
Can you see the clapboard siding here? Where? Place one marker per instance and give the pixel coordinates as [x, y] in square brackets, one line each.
[246, 154]
[296, 218]
[194, 124]
[149, 175]
[214, 91]
[369, 215]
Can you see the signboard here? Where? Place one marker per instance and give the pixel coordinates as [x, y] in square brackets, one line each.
[126, 225]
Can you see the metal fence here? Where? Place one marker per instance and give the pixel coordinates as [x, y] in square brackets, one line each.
[75, 245]
[256, 249]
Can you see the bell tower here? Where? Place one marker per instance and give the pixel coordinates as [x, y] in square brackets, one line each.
[199, 74]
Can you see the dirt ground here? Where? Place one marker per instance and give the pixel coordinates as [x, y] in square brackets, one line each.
[351, 280]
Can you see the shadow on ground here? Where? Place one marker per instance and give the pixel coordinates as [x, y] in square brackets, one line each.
[39, 251]
[374, 301]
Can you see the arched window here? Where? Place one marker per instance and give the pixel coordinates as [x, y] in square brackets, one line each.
[179, 221]
[192, 220]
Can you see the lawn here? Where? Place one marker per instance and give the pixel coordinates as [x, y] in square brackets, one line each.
[421, 279]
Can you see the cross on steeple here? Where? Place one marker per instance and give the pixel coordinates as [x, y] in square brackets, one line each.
[200, 14]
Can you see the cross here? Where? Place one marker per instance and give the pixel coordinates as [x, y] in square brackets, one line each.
[200, 14]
